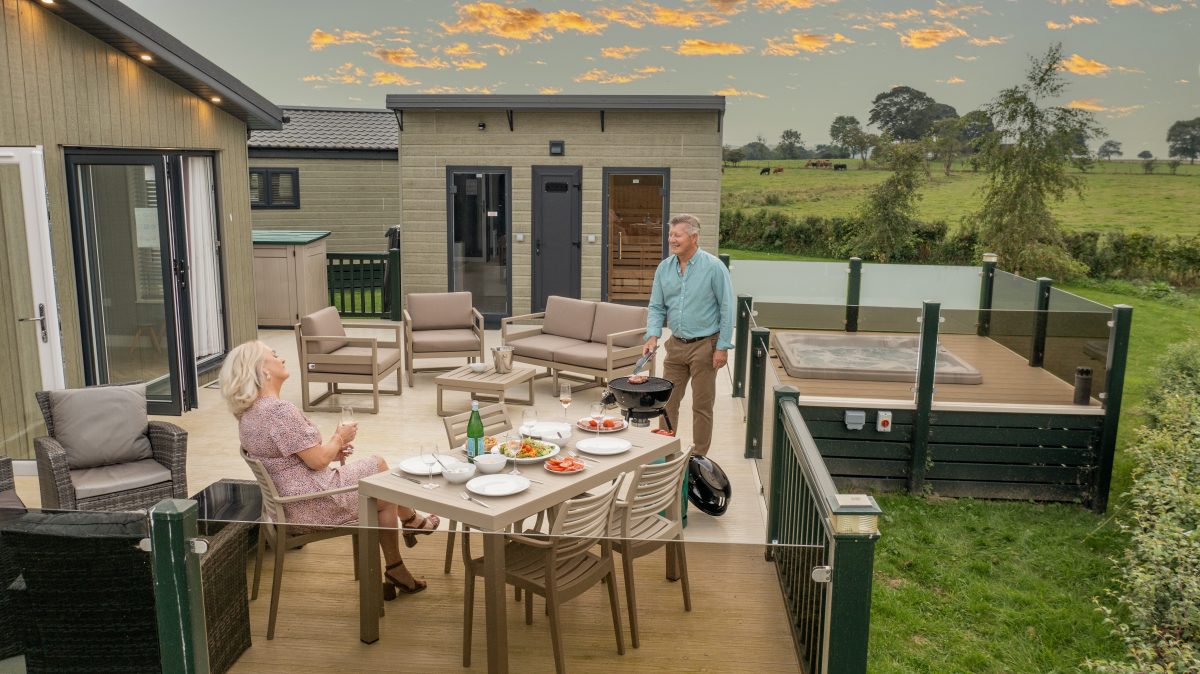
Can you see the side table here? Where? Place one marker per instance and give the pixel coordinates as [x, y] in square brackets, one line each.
[487, 385]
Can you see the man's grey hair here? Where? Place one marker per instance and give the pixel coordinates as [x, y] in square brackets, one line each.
[692, 222]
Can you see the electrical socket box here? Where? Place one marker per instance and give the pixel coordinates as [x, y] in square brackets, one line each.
[520, 238]
[883, 421]
[855, 420]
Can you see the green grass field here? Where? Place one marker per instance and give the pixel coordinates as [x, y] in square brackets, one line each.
[1119, 196]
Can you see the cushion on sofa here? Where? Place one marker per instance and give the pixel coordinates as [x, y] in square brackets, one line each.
[612, 318]
[567, 317]
[89, 482]
[430, 341]
[387, 358]
[101, 425]
[542, 347]
[439, 311]
[326, 322]
[591, 355]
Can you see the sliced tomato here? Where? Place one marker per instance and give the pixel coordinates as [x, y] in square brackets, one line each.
[611, 423]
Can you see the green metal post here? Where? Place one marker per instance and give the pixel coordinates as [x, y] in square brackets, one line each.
[178, 600]
[745, 307]
[1037, 349]
[759, 340]
[853, 293]
[724, 257]
[394, 280]
[926, 368]
[781, 393]
[987, 283]
[1114, 388]
[850, 608]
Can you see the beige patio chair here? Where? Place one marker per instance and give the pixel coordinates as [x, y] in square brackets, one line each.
[559, 567]
[328, 355]
[441, 325]
[495, 421]
[282, 537]
[640, 528]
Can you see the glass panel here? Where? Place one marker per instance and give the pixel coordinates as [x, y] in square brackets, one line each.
[807, 282]
[283, 189]
[257, 198]
[1074, 340]
[635, 234]
[908, 285]
[479, 240]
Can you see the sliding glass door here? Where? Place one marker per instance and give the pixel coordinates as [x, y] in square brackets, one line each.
[478, 236]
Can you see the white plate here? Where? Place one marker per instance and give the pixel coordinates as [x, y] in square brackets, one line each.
[582, 425]
[550, 430]
[603, 446]
[538, 459]
[502, 484]
[414, 465]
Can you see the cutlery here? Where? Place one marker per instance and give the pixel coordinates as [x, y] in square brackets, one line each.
[467, 497]
[574, 455]
[405, 477]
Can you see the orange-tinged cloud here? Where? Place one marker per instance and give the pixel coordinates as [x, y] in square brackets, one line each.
[1089, 104]
[518, 23]
[647, 13]
[601, 76]
[347, 73]
[706, 48]
[501, 49]
[1074, 21]
[1095, 105]
[444, 89]
[947, 11]
[726, 6]
[925, 38]
[407, 57]
[955, 79]
[812, 43]
[469, 64]
[1124, 3]
[1163, 9]
[909, 14]
[784, 5]
[960, 57]
[1079, 65]
[458, 49]
[990, 41]
[1134, 71]
[382, 78]
[1080, 20]
[320, 39]
[621, 53]
[549, 91]
[730, 91]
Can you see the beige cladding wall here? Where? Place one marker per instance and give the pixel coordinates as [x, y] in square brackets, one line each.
[356, 199]
[686, 142]
[61, 87]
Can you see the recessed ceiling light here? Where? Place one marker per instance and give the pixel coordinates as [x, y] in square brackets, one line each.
[47, 2]
[215, 99]
[147, 58]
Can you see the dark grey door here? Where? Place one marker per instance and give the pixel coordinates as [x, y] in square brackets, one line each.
[557, 232]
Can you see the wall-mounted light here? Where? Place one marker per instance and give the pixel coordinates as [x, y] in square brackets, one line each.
[47, 2]
[215, 99]
[146, 57]
[483, 126]
[558, 148]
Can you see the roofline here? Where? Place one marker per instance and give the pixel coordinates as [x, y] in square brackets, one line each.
[259, 113]
[318, 108]
[552, 102]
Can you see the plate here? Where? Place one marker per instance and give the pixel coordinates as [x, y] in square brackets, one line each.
[582, 424]
[414, 465]
[580, 469]
[603, 446]
[550, 430]
[554, 450]
[502, 484]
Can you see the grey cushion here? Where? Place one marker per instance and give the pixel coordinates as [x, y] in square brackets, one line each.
[591, 355]
[10, 500]
[542, 347]
[567, 317]
[461, 339]
[387, 358]
[103, 480]
[323, 323]
[102, 425]
[439, 311]
[612, 318]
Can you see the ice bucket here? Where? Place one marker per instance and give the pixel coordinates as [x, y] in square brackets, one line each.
[502, 357]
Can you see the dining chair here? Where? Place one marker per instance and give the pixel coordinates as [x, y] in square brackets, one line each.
[558, 566]
[495, 421]
[282, 537]
[639, 526]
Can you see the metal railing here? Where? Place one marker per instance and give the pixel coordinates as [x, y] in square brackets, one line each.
[823, 547]
[358, 284]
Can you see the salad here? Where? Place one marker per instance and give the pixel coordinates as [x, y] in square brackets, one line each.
[528, 449]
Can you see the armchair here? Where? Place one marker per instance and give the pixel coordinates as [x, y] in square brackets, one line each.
[328, 355]
[441, 325]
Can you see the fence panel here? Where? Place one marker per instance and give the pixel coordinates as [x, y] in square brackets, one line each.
[356, 282]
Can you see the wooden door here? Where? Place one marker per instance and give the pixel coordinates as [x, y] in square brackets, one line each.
[637, 209]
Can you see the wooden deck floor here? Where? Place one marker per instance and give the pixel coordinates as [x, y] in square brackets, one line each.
[1007, 378]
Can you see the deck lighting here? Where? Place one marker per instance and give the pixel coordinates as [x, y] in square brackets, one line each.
[990, 257]
[558, 148]
[215, 99]
[863, 523]
[146, 57]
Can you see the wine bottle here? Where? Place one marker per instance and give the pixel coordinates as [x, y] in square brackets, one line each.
[475, 445]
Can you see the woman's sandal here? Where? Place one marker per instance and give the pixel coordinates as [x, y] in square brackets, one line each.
[418, 525]
[391, 584]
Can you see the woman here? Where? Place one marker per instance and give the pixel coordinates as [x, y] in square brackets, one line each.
[290, 448]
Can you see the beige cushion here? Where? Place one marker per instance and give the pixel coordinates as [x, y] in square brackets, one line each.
[591, 354]
[10, 500]
[429, 341]
[612, 318]
[387, 358]
[567, 317]
[101, 425]
[439, 311]
[103, 480]
[324, 323]
[542, 347]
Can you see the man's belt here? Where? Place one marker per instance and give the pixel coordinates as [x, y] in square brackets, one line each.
[692, 340]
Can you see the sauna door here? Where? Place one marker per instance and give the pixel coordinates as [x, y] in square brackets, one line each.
[636, 206]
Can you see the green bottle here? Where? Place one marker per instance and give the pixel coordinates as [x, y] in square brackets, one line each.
[474, 433]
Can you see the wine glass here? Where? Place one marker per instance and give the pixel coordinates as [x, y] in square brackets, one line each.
[347, 416]
[597, 414]
[429, 456]
[564, 397]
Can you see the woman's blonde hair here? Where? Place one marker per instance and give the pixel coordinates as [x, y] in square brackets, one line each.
[241, 376]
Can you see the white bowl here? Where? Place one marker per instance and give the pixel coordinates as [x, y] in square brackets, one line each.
[458, 472]
[478, 368]
[490, 463]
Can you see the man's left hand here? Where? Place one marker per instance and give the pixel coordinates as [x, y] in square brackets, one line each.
[720, 357]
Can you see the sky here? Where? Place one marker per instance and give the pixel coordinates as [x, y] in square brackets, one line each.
[780, 63]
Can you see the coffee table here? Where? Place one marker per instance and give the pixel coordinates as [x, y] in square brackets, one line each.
[487, 385]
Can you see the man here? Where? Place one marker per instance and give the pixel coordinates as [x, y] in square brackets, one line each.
[693, 295]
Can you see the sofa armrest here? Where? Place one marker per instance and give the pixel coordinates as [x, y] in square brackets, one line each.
[525, 319]
[54, 475]
[168, 442]
[7, 481]
[616, 353]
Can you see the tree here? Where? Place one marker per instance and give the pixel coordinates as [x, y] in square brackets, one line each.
[860, 142]
[842, 128]
[1183, 139]
[1149, 165]
[1173, 166]
[733, 155]
[975, 125]
[790, 146]
[1109, 149]
[1145, 154]
[885, 221]
[906, 113]
[1026, 163]
[757, 149]
[948, 143]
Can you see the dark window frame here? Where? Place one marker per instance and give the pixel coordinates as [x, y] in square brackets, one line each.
[269, 202]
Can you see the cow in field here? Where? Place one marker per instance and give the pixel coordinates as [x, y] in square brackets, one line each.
[778, 170]
[765, 171]
[839, 167]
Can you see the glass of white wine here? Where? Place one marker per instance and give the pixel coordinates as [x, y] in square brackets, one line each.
[564, 397]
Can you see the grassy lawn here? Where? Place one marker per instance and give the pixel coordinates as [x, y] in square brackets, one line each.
[964, 585]
[1119, 196]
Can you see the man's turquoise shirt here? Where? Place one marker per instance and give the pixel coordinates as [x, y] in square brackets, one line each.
[696, 303]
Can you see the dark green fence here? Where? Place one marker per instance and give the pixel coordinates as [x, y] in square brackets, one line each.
[357, 284]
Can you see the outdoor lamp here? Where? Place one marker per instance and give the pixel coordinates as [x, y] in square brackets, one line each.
[483, 126]
[990, 257]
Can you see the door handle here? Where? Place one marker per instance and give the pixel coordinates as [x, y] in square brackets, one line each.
[620, 245]
[537, 247]
[41, 319]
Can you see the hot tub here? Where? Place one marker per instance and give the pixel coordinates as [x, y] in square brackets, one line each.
[864, 358]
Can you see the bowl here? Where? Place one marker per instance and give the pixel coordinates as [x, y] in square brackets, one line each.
[458, 472]
[490, 463]
[478, 368]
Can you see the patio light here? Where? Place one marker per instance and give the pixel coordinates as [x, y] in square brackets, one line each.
[856, 524]
[215, 99]
[990, 257]
[146, 57]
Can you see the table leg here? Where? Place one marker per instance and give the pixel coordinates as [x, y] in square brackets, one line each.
[440, 410]
[370, 590]
[494, 600]
[674, 514]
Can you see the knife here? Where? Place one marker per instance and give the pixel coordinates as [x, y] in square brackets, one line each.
[405, 477]
[644, 359]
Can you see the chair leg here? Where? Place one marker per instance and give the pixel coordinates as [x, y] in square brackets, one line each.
[450, 546]
[681, 560]
[354, 548]
[375, 397]
[528, 608]
[560, 665]
[468, 614]
[630, 598]
[408, 367]
[615, 605]
[258, 560]
[275, 586]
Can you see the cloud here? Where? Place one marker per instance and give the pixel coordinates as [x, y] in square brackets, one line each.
[782, 6]
[601, 76]
[1132, 71]
[812, 43]
[383, 78]
[1083, 20]
[946, 11]
[989, 41]
[518, 23]
[347, 73]
[1074, 21]
[1089, 104]
[621, 53]
[730, 91]
[469, 64]
[444, 89]
[954, 79]
[1079, 65]
[458, 49]
[1124, 3]
[549, 91]
[501, 49]
[1163, 9]
[706, 48]
[726, 6]
[861, 26]
[407, 57]
[968, 59]
[647, 13]
[320, 39]
[1182, 82]
[1095, 105]
[925, 38]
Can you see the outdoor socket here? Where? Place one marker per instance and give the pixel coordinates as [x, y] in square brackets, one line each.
[883, 421]
[855, 420]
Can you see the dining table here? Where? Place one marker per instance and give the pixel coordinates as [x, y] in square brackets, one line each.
[489, 515]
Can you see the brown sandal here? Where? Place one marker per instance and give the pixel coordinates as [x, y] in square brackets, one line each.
[418, 525]
[391, 584]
